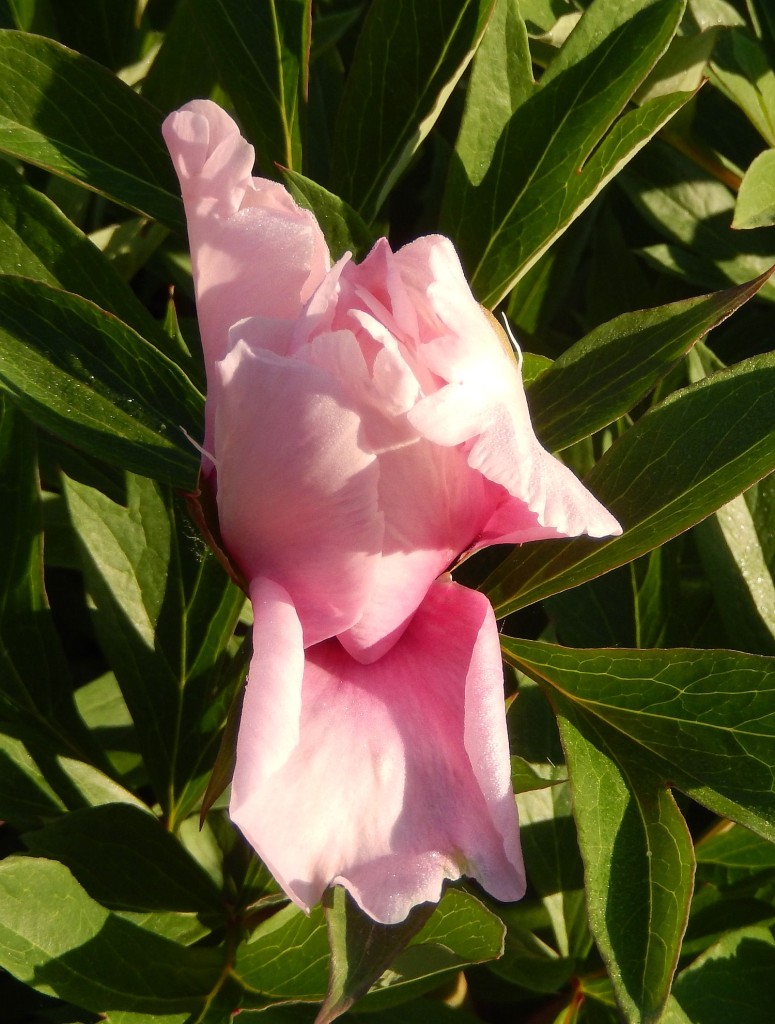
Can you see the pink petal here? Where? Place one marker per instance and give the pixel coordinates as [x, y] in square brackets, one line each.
[400, 777]
[297, 496]
[490, 415]
[254, 251]
[434, 508]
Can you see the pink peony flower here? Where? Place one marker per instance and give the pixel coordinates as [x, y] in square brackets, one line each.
[367, 428]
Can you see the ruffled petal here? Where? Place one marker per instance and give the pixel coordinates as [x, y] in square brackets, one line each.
[400, 777]
[490, 417]
[254, 251]
[434, 508]
[297, 496]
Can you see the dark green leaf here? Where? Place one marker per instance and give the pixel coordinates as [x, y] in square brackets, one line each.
[563, 144]
[261, 52]
[408, 58]
[602, 376]
[63, 112]
[501, 80]
[286, 957]
[183, 68]
[638, 862]
[736, 847]
[731, 982]
[36, 698]
[739, 576]
[553, 864]
[126, 860]
[37, 241]
[700, 720]
[684, 459]
[461, 931]
[89, 956]
[91, 380]
[694, 211]
[105, 30]
[741, 70]
[755, 206]
[361, 950]
[165, 611]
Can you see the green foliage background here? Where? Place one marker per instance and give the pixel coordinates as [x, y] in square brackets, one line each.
[607, 172]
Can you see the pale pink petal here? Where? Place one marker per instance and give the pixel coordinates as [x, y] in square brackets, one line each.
[254, 252]
[492, 418]
[297, 496]
[434, 508]
[400, 778]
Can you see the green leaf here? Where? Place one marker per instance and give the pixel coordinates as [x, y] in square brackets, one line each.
[37, 783]
[739, 576]
[38, 242]
[183, 67]
[563, 143]
[361, 949]
[261, 53]
[525, 777]
[684, 459]
[343, 228]
[736, 847]
[731, 982]
[694, 211]
[638, 863]
[407, 61]
[701, 720]
[62, 112]
[602, 376]
[36, 697]
[460, 931]
[105, 30]
[165, 612]
[91, 380]
[89, 956]
[755, 206]
[286, 957]
[126, 860]
[501, 80]
[741, 69]
[634, 722]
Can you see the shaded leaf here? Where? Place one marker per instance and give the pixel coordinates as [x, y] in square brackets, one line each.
[91, 380]
[684, 459]
[694, 211]
[406, 63]
[88, 955]
[36, 697]
[126, 860]
[700, 720]
[361, 949]
[60, 111]
[261, 52]
[164, 614]
[755, 206]
[39, 242]
[343, 228]
[741, 69]
[603, 375]
[548, 166]
[732, 981]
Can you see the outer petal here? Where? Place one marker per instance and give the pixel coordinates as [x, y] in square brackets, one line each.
[543, 497]
[297, 496]
[434, 507]
[400, 777]
[254, 251]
